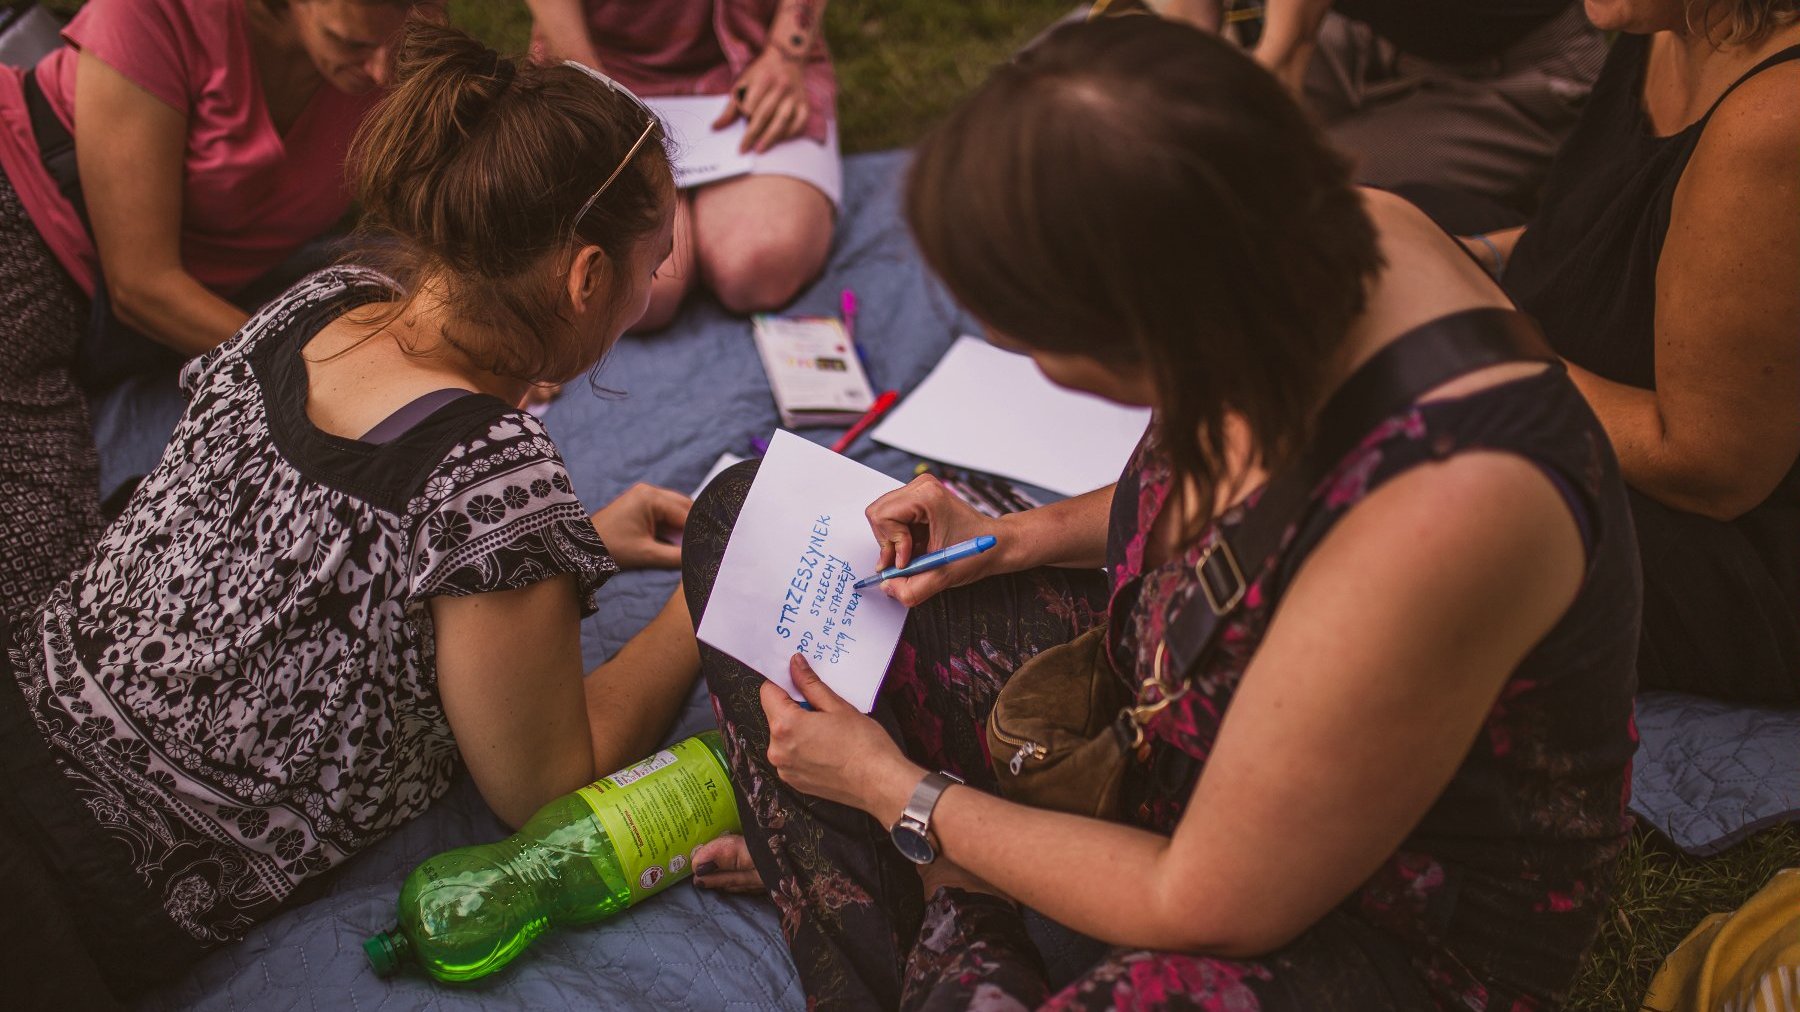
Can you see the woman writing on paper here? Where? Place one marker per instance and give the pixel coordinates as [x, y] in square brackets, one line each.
[757, 239]
[357, 564]
[1398, 780]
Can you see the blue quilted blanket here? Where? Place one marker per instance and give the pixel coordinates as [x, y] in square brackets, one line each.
[1706, 775]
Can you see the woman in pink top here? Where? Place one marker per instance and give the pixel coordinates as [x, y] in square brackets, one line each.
[170, 153]
[756, 239]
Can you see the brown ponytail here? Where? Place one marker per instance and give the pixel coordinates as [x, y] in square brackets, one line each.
[473, 170]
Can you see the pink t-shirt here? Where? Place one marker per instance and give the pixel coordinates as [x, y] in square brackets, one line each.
[250, 195]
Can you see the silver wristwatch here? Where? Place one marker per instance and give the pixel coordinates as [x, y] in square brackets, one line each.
[912, 834]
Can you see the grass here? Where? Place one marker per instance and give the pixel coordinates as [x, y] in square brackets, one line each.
[901, 65]
[1661, 894]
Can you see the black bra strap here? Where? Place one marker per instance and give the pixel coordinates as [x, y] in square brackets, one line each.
[1775, 59]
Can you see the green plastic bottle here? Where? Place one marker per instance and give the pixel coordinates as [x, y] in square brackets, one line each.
[588, 855]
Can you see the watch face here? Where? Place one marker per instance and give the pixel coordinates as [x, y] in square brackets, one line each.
[913, 845]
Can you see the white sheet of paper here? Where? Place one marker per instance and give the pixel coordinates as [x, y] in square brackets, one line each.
[784, 584]
[725, 460]
[991, 410]
[702, 154]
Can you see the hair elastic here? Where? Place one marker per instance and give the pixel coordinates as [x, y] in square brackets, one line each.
[504, 71]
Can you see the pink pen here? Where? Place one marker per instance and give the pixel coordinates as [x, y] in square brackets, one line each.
[847, 303]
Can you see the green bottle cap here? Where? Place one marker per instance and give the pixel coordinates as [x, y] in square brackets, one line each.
[385, 951]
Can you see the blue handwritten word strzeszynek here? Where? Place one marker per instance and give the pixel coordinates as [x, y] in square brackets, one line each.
[795, 597]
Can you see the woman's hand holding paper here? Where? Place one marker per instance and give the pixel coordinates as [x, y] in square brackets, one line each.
[835, 751]
[633, 524]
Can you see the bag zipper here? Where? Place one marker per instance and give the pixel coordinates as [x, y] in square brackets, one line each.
[1026, 749]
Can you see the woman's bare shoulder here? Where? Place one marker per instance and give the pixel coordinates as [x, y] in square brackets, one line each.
[1425, 274]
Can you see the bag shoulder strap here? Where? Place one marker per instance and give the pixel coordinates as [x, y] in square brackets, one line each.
[1413, 364]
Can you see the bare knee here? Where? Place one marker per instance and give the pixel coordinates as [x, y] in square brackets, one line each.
[756, 273]
[666, 296]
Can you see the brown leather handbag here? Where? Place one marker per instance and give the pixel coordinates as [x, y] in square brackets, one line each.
[1053, 733]
[1066, 728]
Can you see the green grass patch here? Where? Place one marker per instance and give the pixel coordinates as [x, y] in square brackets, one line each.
[1661, 895]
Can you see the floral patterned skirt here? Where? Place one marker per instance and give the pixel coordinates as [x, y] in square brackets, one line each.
[861, 931]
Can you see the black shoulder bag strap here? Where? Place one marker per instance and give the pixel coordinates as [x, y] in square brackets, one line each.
[1412, 365]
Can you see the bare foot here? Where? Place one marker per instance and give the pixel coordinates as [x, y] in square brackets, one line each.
[724, 864]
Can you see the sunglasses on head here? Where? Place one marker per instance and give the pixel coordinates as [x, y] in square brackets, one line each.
[650, 122]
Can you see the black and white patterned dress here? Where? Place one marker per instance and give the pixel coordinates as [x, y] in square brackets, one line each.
[241, 686]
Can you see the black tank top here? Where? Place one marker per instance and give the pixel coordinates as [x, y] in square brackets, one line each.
[1586, 267]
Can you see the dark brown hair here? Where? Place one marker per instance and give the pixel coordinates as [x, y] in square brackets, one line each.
[473, 170]
[1139, 193]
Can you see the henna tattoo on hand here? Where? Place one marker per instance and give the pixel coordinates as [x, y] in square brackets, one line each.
[796, 45]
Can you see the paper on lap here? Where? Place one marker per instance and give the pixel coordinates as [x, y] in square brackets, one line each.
[725, 461]
[784, 586]
[701, 154]
[992, 410]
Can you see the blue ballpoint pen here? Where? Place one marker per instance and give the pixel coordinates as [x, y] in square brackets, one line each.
[943, 556]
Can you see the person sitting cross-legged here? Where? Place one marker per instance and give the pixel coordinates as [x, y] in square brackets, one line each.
[1399, 780]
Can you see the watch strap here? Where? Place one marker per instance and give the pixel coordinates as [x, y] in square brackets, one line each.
[925, 798]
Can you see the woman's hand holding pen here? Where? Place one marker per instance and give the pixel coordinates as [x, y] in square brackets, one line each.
[924, 516]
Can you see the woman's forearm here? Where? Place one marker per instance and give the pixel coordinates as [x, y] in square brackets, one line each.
[634, 697]
[1070, 534]
[173, 309]
[561, 25]
[1029, 854]
[1652, 460]
[1290, 33]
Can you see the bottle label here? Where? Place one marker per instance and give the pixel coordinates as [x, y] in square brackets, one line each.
[660, 810]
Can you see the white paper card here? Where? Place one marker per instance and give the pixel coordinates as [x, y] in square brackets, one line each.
[784, 586]
[725, 460]
[991, 410]
[702, 154]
